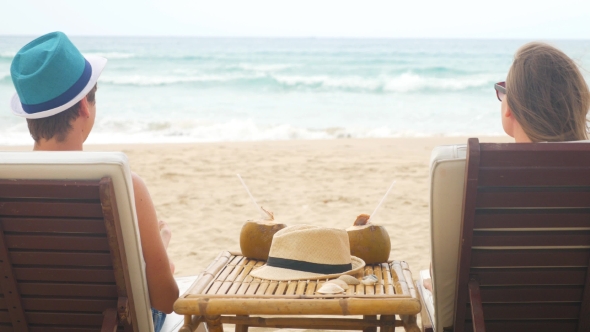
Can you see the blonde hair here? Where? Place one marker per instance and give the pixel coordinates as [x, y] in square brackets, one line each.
[547, 94]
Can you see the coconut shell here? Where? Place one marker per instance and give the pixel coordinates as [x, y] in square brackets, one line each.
[256, 238]
[369, 242]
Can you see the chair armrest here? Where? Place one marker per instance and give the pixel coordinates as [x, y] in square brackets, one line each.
[426, 322]
[110, 320]
[476, 307]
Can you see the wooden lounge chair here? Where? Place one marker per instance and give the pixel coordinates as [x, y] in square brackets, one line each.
[524, 241]
[70, 255]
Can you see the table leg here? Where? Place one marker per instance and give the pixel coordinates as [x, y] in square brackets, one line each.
[410, 324]
[242, 328]
[214, 323]
[372, 328]
[387, 323]
[187, 326]
[191, 323]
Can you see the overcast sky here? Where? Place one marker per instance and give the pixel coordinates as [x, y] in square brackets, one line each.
[497, 19]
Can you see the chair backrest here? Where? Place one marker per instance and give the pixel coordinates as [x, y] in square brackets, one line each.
[69, 243]
[525, 237]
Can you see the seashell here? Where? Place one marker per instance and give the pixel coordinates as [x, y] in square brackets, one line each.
[369, 280]
[330, 288]
[349, 279]
[338, 282]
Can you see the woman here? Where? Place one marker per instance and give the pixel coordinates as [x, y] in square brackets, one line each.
[544, 99]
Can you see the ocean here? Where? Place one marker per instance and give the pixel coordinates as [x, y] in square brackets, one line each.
[157, 89]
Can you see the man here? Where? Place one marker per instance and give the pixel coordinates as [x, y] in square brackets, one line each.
[55, 91]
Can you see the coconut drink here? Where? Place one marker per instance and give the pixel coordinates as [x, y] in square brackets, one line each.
[369, 242]
[256, 236]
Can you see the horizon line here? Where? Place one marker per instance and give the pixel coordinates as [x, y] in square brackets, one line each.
[304, 37]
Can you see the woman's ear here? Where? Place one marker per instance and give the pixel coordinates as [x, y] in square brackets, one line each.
[507, 118]
[84, 109]
[508, 112]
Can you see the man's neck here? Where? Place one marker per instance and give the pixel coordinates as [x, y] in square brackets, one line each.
[54, 145]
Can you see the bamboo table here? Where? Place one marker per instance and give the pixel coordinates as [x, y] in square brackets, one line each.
[226, 293]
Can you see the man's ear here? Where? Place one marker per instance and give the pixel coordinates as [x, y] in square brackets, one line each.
[84, 110]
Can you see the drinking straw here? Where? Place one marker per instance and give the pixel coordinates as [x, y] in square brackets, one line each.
[258, 207]
[381, 202]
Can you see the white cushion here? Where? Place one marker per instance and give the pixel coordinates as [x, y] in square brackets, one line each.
[93, 166]
[447, 178]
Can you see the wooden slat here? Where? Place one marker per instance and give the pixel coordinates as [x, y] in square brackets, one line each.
[236, 271]
[272, 287]
[50, 209]
[529, 257]
[520, 176]
[237, 283]
[531, 238]
[540, 218]
[291, 288]
[60, 258]
[72, 305]
[526, 155]
[395, 278]
[477, 315]
[225, 272]
[584, 316]
[204, 278]
[68, 290]
[244, 285]
[55, 225]
[532, 276]
[534, 199]
[57, 328]
[55, 189]
[9, 287]
[311, 287]
[387, 279]
[281, 287]
[65, 275]
[468, 217]
[63, 318]
[369, 289]
[526, 311]
[261, 290]
[301, 285]
[253, 288]
[214, 287]
[222, 285]
[52, 242]
[380, 283]
[5, 318]
[521, 294]
[564, 325]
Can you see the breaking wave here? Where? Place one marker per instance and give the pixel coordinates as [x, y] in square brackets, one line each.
[406, 82]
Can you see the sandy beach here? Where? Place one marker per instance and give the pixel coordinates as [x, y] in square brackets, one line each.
[328, 183]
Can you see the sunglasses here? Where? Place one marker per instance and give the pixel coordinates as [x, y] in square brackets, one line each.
[500, 90]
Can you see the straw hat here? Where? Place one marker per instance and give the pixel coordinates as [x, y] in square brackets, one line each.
[309, 252]
[50, 75]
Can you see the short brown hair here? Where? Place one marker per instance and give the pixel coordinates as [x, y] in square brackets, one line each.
[58, 125]
[547, 94]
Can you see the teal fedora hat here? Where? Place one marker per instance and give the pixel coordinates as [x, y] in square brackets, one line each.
[50, 75]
